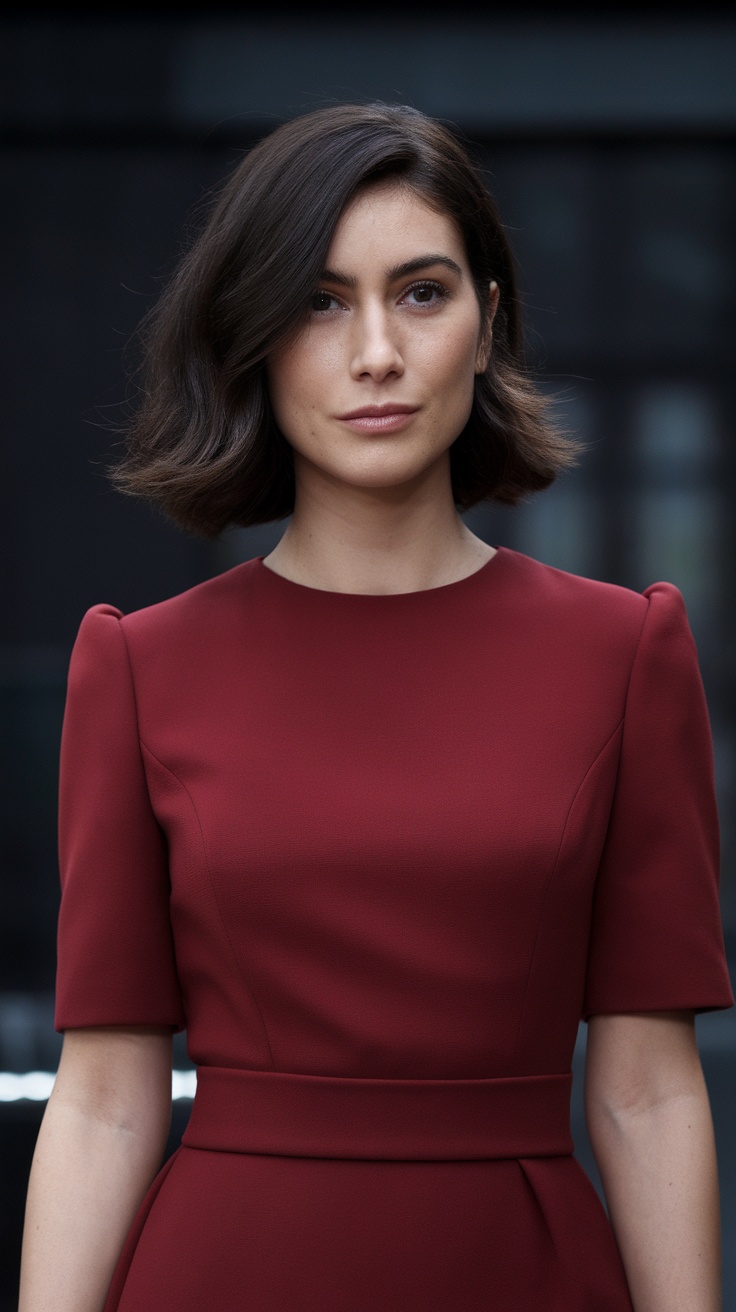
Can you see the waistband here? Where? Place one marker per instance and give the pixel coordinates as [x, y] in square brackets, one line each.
[295, 1115]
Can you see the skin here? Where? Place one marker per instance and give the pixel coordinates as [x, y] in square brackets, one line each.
[100, 1144]
[650, 1127]
[374, 513]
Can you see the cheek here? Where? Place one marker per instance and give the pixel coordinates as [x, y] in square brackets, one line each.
[286, 377]
[449, 357]
[296, 378]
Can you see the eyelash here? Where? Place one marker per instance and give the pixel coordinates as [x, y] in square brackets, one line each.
[436, 287]
[442, 293]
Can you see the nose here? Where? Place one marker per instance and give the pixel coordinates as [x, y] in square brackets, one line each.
[375, 350]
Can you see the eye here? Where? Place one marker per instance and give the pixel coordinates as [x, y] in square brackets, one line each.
[427, 293]
[321, 302]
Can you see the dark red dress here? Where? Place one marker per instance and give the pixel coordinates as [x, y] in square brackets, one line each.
[379, 854]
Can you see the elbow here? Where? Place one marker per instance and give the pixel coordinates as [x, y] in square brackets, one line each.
[623, 1123]
[638, 1065]
[115, 1083]
[133, 1116]
[133, 1126]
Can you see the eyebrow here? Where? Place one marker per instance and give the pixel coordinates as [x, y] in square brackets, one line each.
[398, 271]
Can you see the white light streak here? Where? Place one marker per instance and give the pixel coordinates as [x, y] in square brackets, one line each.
[35, 1086]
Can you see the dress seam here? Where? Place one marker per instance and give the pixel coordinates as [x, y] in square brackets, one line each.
[620, 725]
[129, 664]
[213, 886]
[553, 871]
[634, 658]
[131, 676]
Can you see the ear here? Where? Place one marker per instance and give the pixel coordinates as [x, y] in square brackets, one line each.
[484, 346]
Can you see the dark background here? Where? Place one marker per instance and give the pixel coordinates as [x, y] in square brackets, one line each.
[609, 144]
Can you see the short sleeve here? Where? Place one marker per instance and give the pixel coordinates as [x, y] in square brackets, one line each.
[656, 941]
[115, 948]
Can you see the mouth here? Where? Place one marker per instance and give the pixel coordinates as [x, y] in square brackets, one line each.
[386, 418]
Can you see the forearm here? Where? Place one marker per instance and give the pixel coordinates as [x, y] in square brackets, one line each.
[658, 1168]
[87, 1180]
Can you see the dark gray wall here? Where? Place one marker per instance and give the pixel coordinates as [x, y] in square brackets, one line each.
[609, 145]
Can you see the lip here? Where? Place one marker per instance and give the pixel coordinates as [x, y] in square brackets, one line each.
[387, 418]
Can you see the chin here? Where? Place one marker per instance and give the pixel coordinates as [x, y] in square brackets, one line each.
[385, 465]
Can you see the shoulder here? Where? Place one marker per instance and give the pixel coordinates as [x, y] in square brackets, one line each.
[168, 634]
[559, 588]
[594, 610]
[204, 610]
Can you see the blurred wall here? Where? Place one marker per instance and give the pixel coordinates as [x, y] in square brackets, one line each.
[609, 146]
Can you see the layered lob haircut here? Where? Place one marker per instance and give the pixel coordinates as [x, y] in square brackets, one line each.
[203, 444]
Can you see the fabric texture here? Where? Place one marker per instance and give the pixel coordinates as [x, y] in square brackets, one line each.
[408, 837]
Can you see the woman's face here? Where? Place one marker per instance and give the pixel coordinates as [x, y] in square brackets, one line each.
[379, 382]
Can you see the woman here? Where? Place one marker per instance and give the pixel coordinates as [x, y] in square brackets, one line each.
[379, 816]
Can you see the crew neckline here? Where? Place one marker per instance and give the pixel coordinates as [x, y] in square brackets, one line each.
[280, 581]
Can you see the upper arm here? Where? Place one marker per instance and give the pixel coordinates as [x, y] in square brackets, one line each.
[656, 938]
[116, 961]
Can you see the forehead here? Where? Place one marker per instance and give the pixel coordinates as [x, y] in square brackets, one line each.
[388, 223]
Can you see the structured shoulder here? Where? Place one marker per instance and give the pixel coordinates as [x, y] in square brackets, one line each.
[186, 612]
[98, 644]
[595, 612]
[568, 597]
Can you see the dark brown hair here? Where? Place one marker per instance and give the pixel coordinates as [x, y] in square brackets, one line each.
[203, 444]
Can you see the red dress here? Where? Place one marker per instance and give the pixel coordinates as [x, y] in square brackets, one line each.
[379, 854]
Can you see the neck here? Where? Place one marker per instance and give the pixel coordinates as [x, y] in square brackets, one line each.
[348, 537]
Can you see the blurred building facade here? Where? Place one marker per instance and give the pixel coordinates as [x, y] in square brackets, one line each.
[609, 147]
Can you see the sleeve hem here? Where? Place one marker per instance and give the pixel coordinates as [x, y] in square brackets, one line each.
[61, 1024]
[639, 1008]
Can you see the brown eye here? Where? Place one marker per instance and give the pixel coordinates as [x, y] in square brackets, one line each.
[321, 302]
[426, 293]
